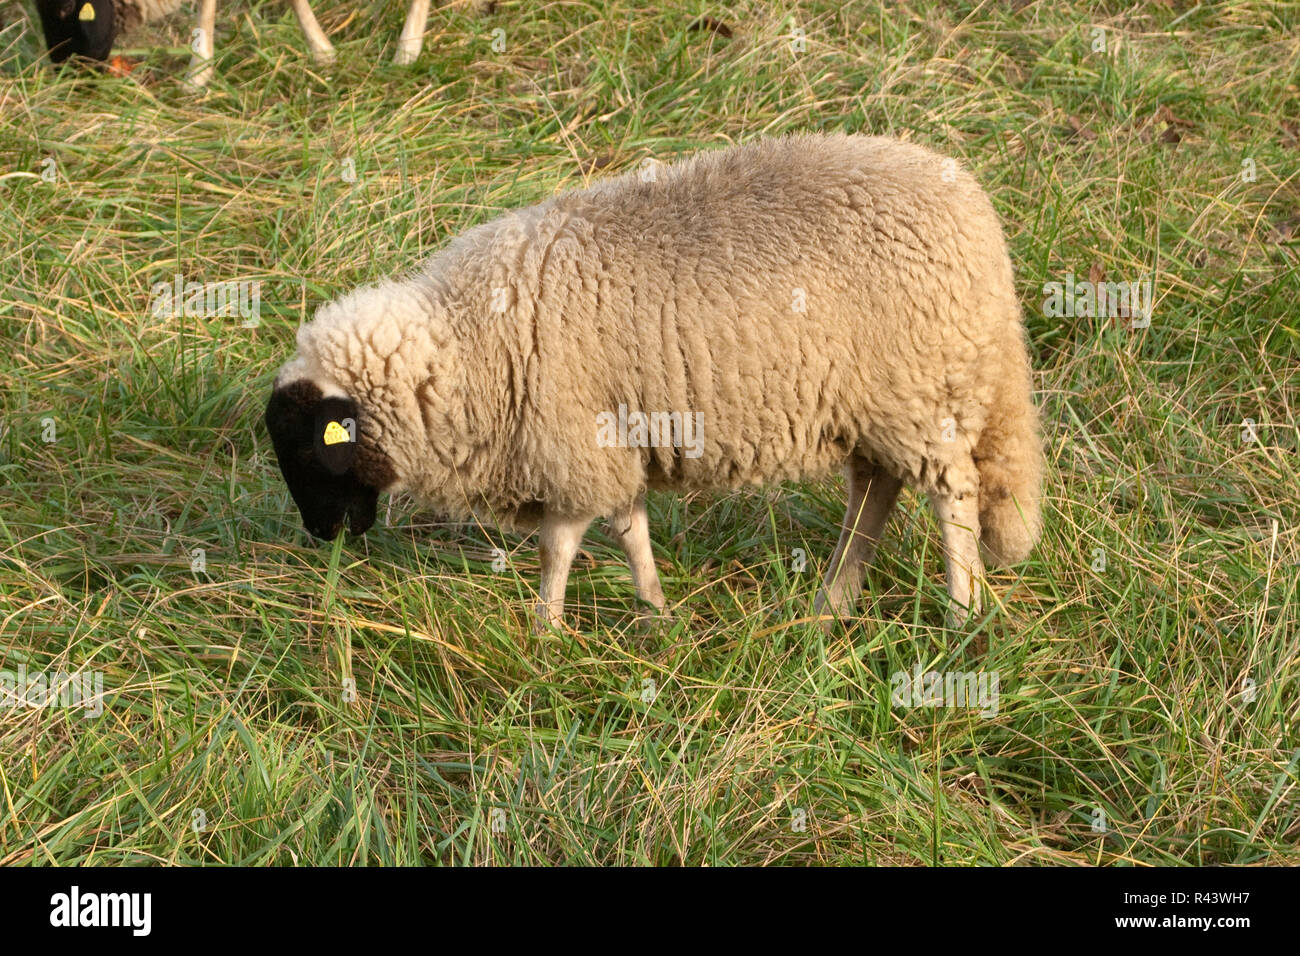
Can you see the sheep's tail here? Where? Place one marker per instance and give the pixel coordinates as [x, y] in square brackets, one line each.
[1009, 456]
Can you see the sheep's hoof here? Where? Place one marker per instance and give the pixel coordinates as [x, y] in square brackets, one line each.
[200, 74]
[406, 55]
[960, 616]
[648, 616]
[839, 609]
[545, 618]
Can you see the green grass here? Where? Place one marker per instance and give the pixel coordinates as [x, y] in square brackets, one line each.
[1121, 689]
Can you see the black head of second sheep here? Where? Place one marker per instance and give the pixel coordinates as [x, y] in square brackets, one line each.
[84, 28]
[331, 474]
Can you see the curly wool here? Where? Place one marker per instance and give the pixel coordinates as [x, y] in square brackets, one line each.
[807, 297]
[131, 13]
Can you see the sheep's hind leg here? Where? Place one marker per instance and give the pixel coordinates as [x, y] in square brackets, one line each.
[560, 538]
[959, 520]
[322, 51]
[632, 529]
[872, 494]
[412, 37]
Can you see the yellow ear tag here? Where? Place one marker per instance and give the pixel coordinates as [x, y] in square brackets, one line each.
[335, 433]
[87, 12]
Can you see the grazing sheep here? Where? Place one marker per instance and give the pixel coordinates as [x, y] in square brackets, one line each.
[89, 28]
[800, 304]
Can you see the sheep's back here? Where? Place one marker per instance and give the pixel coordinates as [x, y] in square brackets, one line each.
[803, 298]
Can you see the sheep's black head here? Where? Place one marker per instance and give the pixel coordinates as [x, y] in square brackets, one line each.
[332, 475]
[78, 27]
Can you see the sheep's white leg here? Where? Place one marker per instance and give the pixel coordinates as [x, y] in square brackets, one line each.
[632, 529]
[560, 538]
[412, 37]
[872, 494]
[959, 519]
[322, 51]
[201, 68]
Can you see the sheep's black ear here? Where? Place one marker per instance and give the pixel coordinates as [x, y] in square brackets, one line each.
[335, 438]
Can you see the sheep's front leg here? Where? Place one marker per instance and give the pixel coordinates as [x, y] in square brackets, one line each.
[322, 51]
[872, 494]
[959, 519]
[412, 37]
[560, 537]
[201, 67]
[632, 529]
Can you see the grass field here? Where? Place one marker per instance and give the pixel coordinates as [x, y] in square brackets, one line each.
[270, 701]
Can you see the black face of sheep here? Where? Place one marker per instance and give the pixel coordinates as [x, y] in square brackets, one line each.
[78, 27]
[316, 444]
